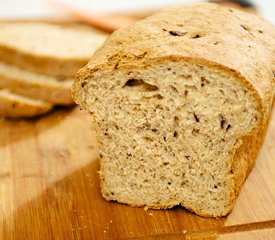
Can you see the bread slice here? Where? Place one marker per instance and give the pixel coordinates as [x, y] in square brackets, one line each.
[13, 105]
[181, 103]
[49, 49]
[34, 85]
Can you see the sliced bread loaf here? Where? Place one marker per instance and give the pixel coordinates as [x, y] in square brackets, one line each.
[50, 49]
[34, 85]
[181, 103]
[13, 105]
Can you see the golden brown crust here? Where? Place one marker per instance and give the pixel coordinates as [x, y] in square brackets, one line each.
[245, 156]
[235, 42]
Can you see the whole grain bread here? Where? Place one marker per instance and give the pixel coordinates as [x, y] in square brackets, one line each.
[13, 105]
[181, 103]
[50, 49]
[35, 85]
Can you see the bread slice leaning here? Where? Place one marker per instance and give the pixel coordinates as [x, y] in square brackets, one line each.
[46, 48]
[181, 102]
[13, 105]
[34, 85]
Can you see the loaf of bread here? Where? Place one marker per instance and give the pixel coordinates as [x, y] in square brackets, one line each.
[181, 103]
[50, 49]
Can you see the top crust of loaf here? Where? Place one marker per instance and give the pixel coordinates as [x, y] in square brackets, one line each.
[50, 49]
[187, 33]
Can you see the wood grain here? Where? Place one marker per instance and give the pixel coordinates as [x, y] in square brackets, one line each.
[49, 189]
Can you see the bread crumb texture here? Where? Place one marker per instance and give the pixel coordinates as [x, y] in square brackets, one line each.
[181, 102]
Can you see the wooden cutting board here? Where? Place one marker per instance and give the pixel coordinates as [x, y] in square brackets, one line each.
[49, 189]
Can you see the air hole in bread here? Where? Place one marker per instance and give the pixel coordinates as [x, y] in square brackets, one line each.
[196, 117]
[176, 121]
[177, 33]
[174, 89]
[260, 31]
[139, 84]
[195, 131]
[204, 81]
[245, 27]
[223, 121]
[83, 84]
[197, 35]
[228, 127]
[116, 66]
[183, 184]
[148, 139]
[158, 96]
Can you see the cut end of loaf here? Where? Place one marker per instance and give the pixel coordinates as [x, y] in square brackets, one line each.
[168, 132]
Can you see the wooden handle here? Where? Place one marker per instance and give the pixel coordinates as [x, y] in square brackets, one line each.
[107, 23]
